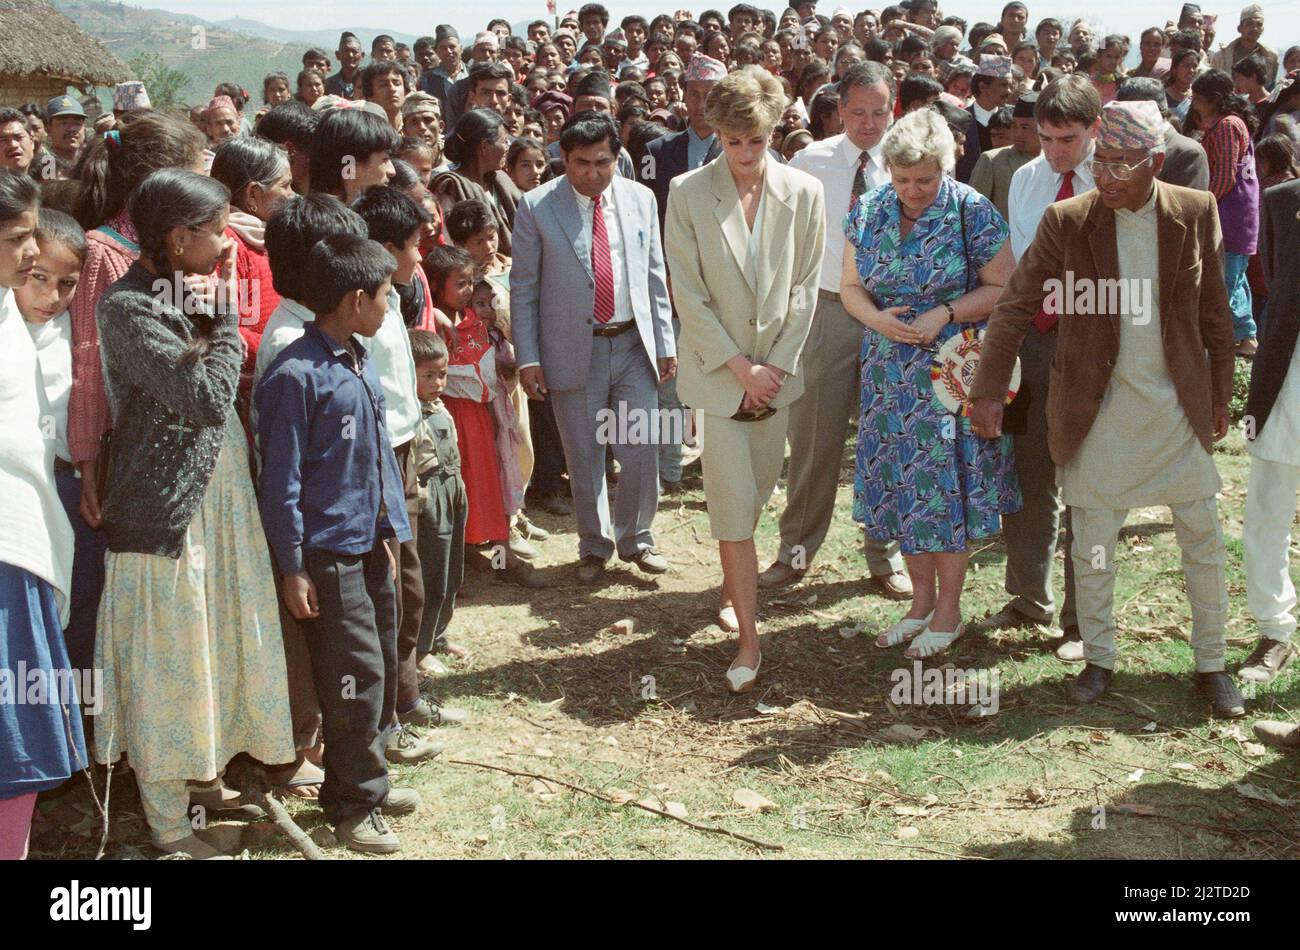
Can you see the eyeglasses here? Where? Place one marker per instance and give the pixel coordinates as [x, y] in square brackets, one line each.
[1117, 170]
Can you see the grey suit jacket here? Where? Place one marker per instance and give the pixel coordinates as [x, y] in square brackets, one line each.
[722, 313]
[553, 291]
[992, 175]
[1185, 162]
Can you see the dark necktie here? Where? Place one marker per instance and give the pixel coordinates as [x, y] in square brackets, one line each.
[602, 266]
[1045, 321]
[859, 179]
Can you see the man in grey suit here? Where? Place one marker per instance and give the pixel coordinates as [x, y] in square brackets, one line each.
[592, 328]
[1185, 161]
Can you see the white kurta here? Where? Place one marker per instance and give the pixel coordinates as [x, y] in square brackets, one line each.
[1280, 439]
[1141, 450]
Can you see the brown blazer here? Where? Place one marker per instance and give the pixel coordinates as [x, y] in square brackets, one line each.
[1078, 235]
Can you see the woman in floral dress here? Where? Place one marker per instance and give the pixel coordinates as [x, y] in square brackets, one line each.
[926, 259]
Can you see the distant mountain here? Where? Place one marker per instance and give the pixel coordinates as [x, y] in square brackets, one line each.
[207, 53]
[326, 39]
[235, 50]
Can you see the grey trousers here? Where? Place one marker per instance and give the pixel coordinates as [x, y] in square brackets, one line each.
[1030, 533]
[819, 423]
[1200, 536]
[621, 388]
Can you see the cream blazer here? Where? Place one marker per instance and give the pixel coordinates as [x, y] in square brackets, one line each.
[722, 311]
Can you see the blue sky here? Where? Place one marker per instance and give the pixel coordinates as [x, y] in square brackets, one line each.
[1281, 28]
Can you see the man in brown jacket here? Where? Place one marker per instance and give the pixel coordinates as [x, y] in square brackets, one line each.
[1140, 381]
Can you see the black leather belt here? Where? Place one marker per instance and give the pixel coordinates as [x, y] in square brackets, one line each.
[614, 330]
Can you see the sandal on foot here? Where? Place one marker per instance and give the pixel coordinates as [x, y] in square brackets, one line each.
[933, 641]
[727, 619]
[304, 782]
[195, 847]
[903, 631]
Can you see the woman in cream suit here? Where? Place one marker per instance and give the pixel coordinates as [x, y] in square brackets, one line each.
[743, 239]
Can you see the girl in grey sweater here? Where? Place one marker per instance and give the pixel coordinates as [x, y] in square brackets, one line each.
[189, 637]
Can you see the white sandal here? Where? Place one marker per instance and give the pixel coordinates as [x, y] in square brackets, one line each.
[904, 630]
[932, 642]
[726, 619]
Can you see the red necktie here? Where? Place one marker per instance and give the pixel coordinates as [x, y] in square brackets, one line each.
[1044, 321]
[602, 267]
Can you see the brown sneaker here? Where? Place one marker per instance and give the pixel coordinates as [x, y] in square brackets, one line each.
[1270, 658]
[368, 833]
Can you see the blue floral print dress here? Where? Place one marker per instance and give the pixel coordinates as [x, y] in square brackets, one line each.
[923, 477]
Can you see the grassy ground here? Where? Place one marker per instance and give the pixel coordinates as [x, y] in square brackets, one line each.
[557, 692]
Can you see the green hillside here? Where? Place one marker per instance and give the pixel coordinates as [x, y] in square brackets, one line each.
[206, 54]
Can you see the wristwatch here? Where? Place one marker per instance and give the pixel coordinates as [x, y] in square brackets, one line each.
[952, 314]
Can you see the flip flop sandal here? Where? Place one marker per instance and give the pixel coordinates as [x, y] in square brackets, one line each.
[932, 642]
[903, 631]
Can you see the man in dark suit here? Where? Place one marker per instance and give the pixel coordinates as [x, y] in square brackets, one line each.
[679, 152]
[991, 88]
[1272, 428]
[1185, 161]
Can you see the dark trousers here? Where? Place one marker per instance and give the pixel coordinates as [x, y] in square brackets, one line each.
[1031, 532]
[87, 574]
[411, 603]
[548, 450]
[353, 646]
[442, 556]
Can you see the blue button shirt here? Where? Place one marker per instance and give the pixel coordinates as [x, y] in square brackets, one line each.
[697, 149]
[329, 476]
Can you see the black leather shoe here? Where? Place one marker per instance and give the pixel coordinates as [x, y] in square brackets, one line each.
[1088, 686]
[590, 569]
[1008, 618]
[1270, 658]
[1222, 692]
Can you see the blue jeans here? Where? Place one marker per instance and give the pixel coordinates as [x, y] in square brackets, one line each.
[1234, 276]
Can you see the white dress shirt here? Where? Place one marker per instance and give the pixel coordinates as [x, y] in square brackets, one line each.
[1033, 188]
[614, 230]
[390, 348]
[834, 162]
[982, 115]
[53, 340]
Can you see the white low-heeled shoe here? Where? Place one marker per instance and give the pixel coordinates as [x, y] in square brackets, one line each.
[903, 631]
[727, 619]
[740, 679]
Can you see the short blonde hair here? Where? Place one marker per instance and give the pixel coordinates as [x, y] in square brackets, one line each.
[747, 101]
[918, 136]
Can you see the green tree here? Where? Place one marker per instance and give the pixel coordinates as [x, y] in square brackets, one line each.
[164, 84]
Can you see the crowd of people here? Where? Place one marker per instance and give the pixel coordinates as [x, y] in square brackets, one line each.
[273, 376]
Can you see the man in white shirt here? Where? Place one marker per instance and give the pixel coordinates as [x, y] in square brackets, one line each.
[1068, 114]
[847, 165]
[991, 88]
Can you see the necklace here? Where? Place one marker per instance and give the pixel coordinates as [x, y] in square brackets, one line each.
[907, 216]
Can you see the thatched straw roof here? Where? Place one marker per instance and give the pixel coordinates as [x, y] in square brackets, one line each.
[36, 38]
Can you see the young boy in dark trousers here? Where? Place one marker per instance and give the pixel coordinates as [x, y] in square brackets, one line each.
[443, 502]
[397, 222]
[331, 493]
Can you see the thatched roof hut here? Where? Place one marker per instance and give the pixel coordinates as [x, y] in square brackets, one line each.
[42, 52]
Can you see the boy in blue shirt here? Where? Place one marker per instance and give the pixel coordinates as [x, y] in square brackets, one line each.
[331, 493]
